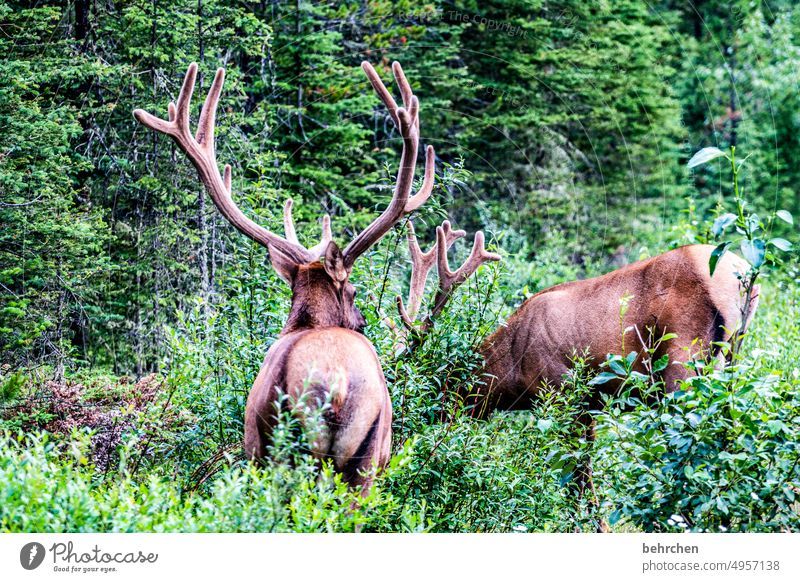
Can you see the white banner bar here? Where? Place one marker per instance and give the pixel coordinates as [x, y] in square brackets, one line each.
[445, 557]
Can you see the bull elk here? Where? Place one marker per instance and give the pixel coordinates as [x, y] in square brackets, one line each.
[673, 293]
[321, 350]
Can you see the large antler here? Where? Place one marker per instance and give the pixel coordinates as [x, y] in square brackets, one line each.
[201, 151]
[406, 119]
[421, 264]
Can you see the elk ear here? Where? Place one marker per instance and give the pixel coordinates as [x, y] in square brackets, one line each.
[284, 266]
[334, 263]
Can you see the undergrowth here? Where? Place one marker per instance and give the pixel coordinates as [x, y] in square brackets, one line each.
[96, 453]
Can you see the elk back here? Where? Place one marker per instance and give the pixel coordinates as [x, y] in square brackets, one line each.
[337, 366]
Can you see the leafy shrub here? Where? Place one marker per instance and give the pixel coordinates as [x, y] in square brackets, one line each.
[721, 454]
[50, 486]
[510, 473]
[176, 464]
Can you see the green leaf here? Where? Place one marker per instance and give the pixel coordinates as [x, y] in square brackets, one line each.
[706, 155]
[781, 243]
[602, 378]
[723, 222]
[785, 216]
[775, 426]
[617, 367]
[753, 222]
[716, 254]
[544, 424]
[753, 251]
[661, 363]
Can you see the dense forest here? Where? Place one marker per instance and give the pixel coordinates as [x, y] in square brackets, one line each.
[134, 318]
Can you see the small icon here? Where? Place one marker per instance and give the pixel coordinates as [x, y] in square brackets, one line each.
[31, 555]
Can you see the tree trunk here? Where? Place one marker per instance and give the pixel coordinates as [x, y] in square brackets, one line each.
[81, 19]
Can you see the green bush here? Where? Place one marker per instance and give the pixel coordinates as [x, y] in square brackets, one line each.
[721, 454]
[51, 486]
[11, 386]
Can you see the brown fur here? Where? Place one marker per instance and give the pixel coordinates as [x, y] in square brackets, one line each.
[322, 350]
[671, 293]
[319, 348]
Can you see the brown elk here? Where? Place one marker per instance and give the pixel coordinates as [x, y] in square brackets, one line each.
[673, 293]
[321, 351]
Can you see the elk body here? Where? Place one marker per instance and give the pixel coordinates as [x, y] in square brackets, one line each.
[321, 356]
[672, 293]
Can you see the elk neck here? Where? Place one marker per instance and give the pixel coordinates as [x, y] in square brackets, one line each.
[317, 302]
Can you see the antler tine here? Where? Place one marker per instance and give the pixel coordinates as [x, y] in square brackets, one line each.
[381, 90]
[449, 280]
[479, 255]
[422, 195]
[409, 101]
[181, 111]
[201, 152]
[208, 115]
[421, 264]
[406, 119]
[291, 235]
[327, 236]
[288, 222]
[402, 84]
